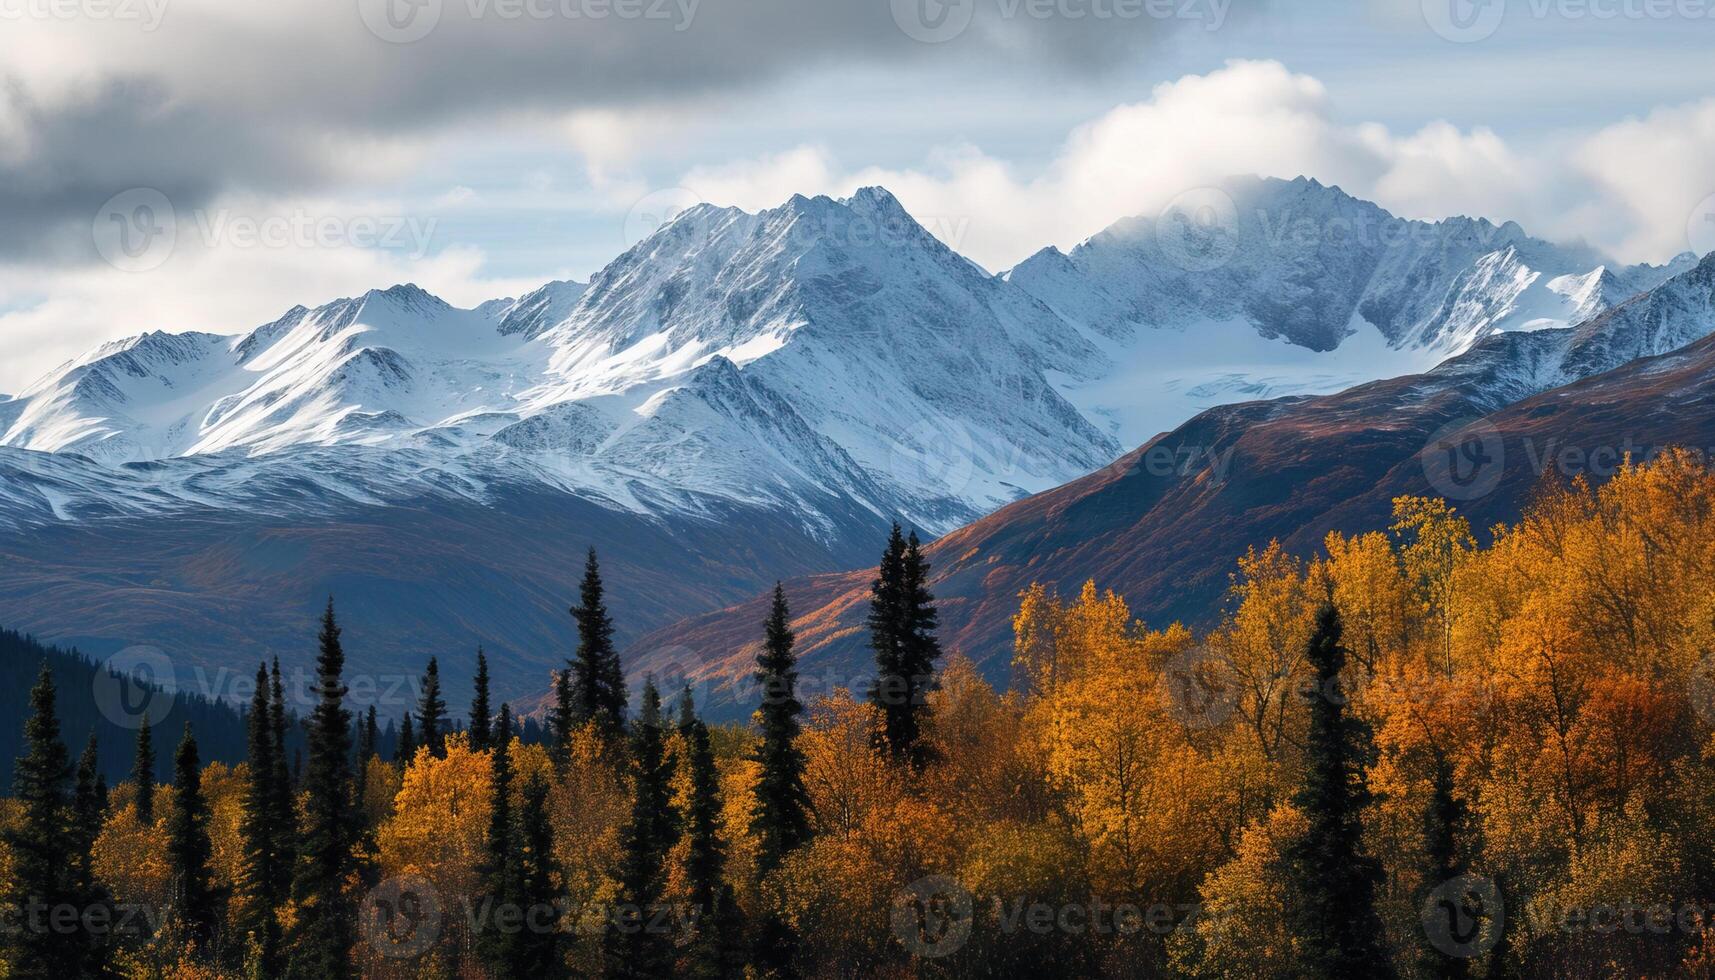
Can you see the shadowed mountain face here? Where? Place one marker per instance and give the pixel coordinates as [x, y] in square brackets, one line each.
[216, 592]
[1163, 524]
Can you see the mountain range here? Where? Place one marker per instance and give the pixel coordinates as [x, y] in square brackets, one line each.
[1164, 524]
[743, 397]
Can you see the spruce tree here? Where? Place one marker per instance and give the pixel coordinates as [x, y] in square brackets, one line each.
[432, 713]
[598, 684]
[538, 953]
[781, 819]
[705, 862]
[902, 622]
[1332, 881]
[89, 811]
[323, 935]
[634, 947]
[732, 954]
[367, 732]
[887, 641]
[263, 876]
[479, 712]
[195, 902]
[920, 649]
[284, 795]
[563, 717]
[705, 857]
[498, 943]
[1443, 826]
[407, 748]
[41, 881]
[143, 774]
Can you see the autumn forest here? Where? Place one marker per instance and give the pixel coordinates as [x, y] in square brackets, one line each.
[1427, 750]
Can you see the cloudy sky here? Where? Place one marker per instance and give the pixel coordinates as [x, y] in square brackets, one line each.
[206, 164]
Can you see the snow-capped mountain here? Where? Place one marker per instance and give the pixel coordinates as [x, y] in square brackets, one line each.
[1289, 469]
[738, 397]
[820, 351]
[1264, 287]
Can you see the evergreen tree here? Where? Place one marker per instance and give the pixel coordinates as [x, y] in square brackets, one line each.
[283, 795]
[1443, 826]
[902, 623]
[920, 649]
[538, 953]
[563, 717]
[705, 858]
[432, 713]
[732, 955]
[1333, 881]
[143, 773]
[89, 810]
[407, 749]
[780, 821]
[195, 902]
[479, 713]
[323, 933]
[366, 736]
[498, 944]
[41, 880]
[261, 882]
[598, 684]
[635, 947]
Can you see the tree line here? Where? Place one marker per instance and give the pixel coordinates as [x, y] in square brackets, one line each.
[295, 893]
[1407, 755]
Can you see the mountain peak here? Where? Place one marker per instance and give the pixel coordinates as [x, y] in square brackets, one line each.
[874, 198]
[408, 295]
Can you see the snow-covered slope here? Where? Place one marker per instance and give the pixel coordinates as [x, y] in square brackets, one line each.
[823, 350]
[807, 359]
[1265, 287]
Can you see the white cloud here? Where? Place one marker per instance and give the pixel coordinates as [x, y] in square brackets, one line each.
[232, 267]
[1656, 170]
[1628, 188]
[1257, 117]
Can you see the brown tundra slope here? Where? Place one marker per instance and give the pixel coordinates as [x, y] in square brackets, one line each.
[1164, 524]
